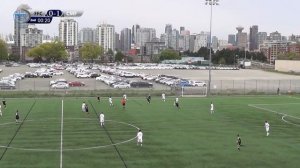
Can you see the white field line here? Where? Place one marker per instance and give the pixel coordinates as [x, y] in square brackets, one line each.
[61, 133]
[276, 112]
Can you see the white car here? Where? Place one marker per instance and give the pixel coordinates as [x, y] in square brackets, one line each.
[82, 75]
[58, 73]
[121, 85]
[58, 81]
[198, 83]
[60, 86]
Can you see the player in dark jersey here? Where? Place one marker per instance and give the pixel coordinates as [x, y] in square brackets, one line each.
[17, 117]
[4, 103]
[86, 108]
[238, 142]
[149, 98]
[98, 98]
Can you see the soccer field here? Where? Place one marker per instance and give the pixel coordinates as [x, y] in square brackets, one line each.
[54, 132]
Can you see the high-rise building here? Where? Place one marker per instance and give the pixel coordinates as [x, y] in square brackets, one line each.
[175, 39]
[31, 36]
[253, 38]
[184, 41]
[125, 40]
[87, 35]
[168, 32]
[134, 32]
[192, 43]
[20, 18]
[106, 36]
[68, 32]
[214, 43]
[275, 36]
[231, 39]
[201, 40]
[145, 35]
[181, 29]
[272, 49]
[261, 37]
[241, 38]
[117, 42]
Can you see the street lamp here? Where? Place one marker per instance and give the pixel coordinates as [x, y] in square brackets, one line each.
[211, 3]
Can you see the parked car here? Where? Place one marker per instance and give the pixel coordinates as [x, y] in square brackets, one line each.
[76, 83]
[121, 85]
[198, 83]
[94, 75]
[7, 85]
[58, 81]
[141, 84]
[60, 86]
[82, 75]
[45, 75]
[58, 73]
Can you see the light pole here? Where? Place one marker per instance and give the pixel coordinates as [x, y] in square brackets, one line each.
[211, 3]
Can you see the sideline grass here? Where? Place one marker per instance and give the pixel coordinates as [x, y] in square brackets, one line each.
[190, 137]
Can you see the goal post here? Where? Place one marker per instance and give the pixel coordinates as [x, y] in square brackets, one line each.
[195, 91]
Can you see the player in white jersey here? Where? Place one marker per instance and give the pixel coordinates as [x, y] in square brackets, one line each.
[0, 110]
[267, 126]
[176, 103]
[139, 138]
[212, 108]
[101, 119]
[163, 97]
[125, 97]
[110, 101]
[83, 107]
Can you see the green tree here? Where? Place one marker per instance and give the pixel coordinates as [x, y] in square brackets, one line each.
[169, 54]
[119, 56]
[90, 51]
[3, 50]
[54, 51]
[110, 55]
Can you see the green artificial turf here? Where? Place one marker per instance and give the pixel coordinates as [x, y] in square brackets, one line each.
[189, 137]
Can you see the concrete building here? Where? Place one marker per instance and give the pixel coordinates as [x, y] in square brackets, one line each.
[241, 38]
[87, 35]
[106, 36]
[272, 49]
[117, 42]
[294, 38]
[175, 39]
[192, 42]
[275, 36]
[68, 32]
[261, 37]
[134, 33]
[231, 39]
[168, 35]
[223, 44]
[201, 40]
[31, 36]
[125, 40]
[253, 38]
[184, 41]
[154, 47]
[145, 35]
[20, 18]
[214, 43]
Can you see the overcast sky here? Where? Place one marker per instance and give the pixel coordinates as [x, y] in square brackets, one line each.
[269, 15]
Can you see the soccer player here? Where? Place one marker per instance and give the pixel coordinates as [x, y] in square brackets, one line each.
[83, 107]
[17, 117]
[101, 119]
[125, 97]
[238, 142]
[177, 102]
[212, 108]
[123, 102]
[110, 101]
[4, 103]
[87, 108]
[267, 126]
[0, 110]
[139, 138]
[163, 97]
[149, 98]
[98, 98]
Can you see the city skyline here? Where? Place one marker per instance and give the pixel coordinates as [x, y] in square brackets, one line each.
[269, 15]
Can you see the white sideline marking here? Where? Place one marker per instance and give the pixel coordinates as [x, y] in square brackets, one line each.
[61, 132]
[273, 111]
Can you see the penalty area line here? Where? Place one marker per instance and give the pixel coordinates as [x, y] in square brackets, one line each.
[61, 133]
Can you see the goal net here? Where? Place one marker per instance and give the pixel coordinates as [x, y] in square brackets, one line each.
[197, 91]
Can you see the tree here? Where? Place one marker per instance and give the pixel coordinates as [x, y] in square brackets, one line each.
[54, 51]
[169, 54]
[119, 56]
[90, 51]
[289, 56]
[3, 50]
[110, 55]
